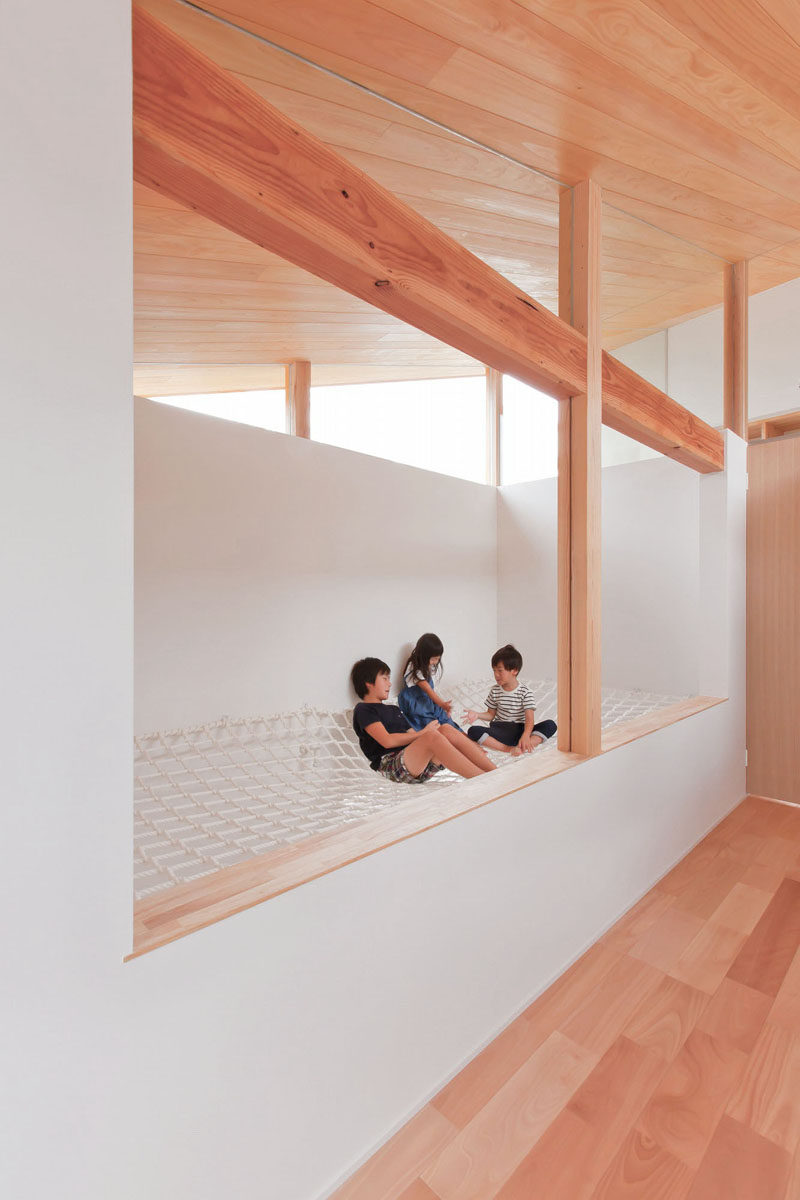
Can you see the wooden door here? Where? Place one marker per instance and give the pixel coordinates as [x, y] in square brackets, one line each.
[773, 619]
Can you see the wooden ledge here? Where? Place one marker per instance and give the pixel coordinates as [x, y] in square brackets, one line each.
[183, 909]
[629, 731]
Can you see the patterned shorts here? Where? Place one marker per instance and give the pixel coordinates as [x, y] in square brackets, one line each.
[392, 766]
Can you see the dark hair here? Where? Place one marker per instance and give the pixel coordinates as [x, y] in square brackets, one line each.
[508, 657]
[419, 660]
[365, 672]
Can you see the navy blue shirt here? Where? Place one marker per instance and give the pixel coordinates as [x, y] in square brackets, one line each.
[389, 716]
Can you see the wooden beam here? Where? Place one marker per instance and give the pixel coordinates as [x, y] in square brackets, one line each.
[298, 398]
[636, 408]
[494, 411]
[735, 315]
[579, 569]
[203, 139]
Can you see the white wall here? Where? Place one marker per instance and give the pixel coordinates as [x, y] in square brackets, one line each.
[266, 565]
[650, 575]
[260, 1058]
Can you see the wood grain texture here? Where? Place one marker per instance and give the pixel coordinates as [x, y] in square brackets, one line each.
[663, 943]
[397, 1164]
[705, 961]
[774, 426]
[628, 731]
[696, 1095]
[742, 908]
[484, 1154]
[266, 180]
[741, 1165]
[773, 618]
[600, 1020]
[684, 1110]
[767, 954]
[464, 1097]
[766, 1099]
[298, 399]
[665, 1017]
[643, 1170]
[735, 326]
[565, 468]
[786, 1009]
[735, 1015]
[579, 570]
[702, 158]
[494, 411]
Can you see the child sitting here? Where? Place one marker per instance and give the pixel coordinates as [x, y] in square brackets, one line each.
[509, 710]
[397, 751]
[418, 701]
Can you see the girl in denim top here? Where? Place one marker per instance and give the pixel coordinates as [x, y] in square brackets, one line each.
[419, 701]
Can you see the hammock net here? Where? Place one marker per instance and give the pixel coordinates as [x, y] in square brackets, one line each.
[215, 794]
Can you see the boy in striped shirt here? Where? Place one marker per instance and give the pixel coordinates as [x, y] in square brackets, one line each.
[509, 710]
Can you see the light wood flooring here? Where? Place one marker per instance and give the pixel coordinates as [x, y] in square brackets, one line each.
[664, 1065]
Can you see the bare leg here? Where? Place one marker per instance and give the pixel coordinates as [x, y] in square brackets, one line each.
[492, 744]
[432, 747]
[468, 748]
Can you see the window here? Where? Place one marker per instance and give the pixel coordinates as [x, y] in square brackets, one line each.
[437, 424]
[528, 434]
[265, 409]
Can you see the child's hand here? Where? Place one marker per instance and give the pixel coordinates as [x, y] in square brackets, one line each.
[472, 716]
[434, 724]
[447, 705]
[525, 743]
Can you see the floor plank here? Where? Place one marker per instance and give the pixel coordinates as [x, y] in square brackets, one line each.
[684, 1110]
[767, 1097]
[786, 1009]
[740, 1165]
[706, 960]
[558, 1166]
[491, 1146]
[663, 943]
[735, 1015]
[665, 1018]
[389, 1172]
[602, 1017]
[418, 1191]
[643, 1170]
[662, 1065]
[767, 954]
[742, 908]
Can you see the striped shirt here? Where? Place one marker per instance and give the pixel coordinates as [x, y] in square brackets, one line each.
[510, 706]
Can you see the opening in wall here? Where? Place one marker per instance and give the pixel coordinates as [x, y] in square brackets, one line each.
[436, 424]
[262, 409]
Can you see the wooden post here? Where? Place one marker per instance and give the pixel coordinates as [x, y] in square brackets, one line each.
[735, 338]
[494, 411]
[298, 398]
[579, 484]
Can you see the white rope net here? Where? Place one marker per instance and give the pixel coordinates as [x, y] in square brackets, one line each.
[215, 794]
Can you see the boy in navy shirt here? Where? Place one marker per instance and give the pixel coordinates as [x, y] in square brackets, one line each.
[397, 751]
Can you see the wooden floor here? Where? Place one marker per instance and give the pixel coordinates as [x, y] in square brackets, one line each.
[664, 1065]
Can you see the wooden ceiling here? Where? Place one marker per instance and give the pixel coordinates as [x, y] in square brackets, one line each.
[687, 115]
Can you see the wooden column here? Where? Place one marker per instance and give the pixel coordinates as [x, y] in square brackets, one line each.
[736, 335]
[580, 423]
[494, 411]
[298, 398]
